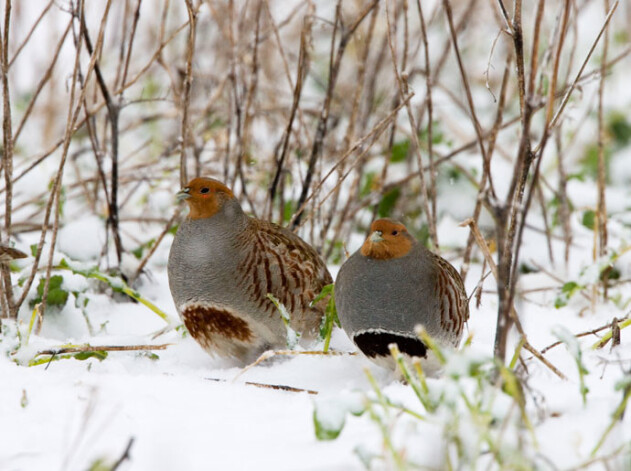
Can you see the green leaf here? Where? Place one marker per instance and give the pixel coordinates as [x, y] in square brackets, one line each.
[619, 128]
[329, 415]
[570, 287]
[574, 349]
[590, 161]
[57, 296]
[100, 464]
[337, 253]
[288, 210]
[293, 337]
[624, 383]
[400, 151]
[437, 134]
[367, 184]
[567, 291]
[324, 431]
[621, 37]
[99, 355]
[589, 219]
[610, 272]
[525, 269]
[330, 318]
[512, 386]
[387, 203]
[327, 290]
[33, 250]
[138, 251]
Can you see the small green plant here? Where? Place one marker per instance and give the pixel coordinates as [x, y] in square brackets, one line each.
[591, 275]
[293, 337]
[117, 284]
[330, 318]
[368, 184]
[623, 385]
[57, 295]
[329, 414]
[399, 151]
[605, 338]
[43, 359]
[388, 202]
[470, 407]
[573, 347]
[589, 219]
[567, 291]
[139, 251]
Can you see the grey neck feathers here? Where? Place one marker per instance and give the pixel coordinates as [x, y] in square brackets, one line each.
[230, 219]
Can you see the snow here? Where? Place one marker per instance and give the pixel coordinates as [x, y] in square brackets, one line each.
[81, 239]
[187, 410]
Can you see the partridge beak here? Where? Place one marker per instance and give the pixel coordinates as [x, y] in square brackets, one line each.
[183, 194]
[376, 236]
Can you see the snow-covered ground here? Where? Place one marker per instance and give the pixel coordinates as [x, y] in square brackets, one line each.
[185, 410]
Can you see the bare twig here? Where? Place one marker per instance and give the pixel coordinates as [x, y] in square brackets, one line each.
[600, 220]
[102, 348]
[113, 114]
[278, 387]
[31, 31]
[334, 67]
[8, 305]
[301, 72]
[403, 91]
[589, 332]
[125, 456]
[187, 82]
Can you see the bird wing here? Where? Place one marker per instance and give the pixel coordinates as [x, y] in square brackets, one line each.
[281, 263]
[454, 308]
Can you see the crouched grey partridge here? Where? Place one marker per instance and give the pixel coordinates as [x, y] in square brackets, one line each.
[223, 264]
[391, 285]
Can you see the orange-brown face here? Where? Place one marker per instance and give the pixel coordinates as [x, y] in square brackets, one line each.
[205, 196]
[387, 239]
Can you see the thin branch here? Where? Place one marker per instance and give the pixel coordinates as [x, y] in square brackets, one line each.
[403, 91]
[9, 307]
[113, 114]
[31, 31]
[302, 70]
[334, 67]
[103, 348]
[569, 91]
[187, 83]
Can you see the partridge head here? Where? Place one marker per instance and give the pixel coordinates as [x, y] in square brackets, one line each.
[223, 264]
[392, 285]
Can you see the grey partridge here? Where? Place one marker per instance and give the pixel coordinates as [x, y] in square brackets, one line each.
[391, 285]
[223, 264]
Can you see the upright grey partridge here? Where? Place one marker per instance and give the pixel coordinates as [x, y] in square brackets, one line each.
[391, 285]
[223, 264]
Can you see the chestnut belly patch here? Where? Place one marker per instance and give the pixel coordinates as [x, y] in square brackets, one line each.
[206, 322]
[374, 343]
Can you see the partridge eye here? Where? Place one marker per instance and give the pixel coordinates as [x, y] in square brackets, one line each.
[204, 190]
[395, 232]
